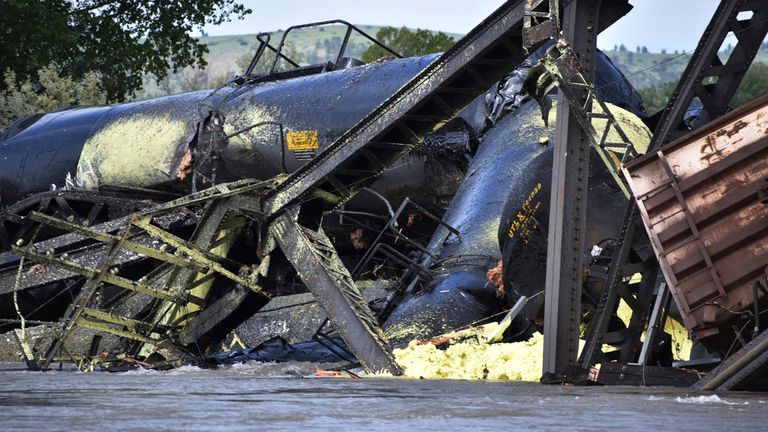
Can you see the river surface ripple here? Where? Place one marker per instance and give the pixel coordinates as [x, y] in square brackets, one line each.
[278, 398]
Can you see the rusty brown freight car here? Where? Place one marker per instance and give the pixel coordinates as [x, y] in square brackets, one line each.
[702, 200]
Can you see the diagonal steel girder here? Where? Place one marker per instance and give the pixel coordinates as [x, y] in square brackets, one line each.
[315, 260]
[707, 77]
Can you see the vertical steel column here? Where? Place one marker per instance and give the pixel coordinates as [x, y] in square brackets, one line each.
[570, 172]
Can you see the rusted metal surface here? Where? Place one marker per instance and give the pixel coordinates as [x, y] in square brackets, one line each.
[699, 200]
[704, 66]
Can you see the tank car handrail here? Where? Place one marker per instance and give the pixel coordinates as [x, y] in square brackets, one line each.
[343, 47]
[264, 39]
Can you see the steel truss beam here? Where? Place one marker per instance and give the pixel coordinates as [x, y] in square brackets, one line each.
[314, 258]
[707, 77]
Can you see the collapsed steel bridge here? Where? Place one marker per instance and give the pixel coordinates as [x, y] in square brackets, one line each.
[286, 212]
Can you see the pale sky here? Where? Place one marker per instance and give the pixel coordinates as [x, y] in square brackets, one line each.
[657, 24]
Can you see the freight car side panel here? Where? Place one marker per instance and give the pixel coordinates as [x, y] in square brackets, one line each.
[700, 202]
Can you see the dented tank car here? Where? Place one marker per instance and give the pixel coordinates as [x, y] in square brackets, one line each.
[480, 183]
[271, 127]
[501, 211]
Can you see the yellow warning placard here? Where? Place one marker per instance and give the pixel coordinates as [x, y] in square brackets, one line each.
[302, 140]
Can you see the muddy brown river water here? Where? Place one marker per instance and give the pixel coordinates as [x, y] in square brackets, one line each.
[279, 398]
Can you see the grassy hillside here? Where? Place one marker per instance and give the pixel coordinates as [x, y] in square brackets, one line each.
[653, 69]
[655, 75]
[230, 54]
[649, 69]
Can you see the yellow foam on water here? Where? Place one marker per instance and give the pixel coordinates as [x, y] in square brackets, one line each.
[471, 355]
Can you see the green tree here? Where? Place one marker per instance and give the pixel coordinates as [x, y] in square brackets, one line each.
[120, 41]
[408, 43]
[193, 79]
[655, 98]
[755, 84]
[51, 92]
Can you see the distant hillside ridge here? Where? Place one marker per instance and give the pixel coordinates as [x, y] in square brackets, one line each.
[229, 55]
[647, 69]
